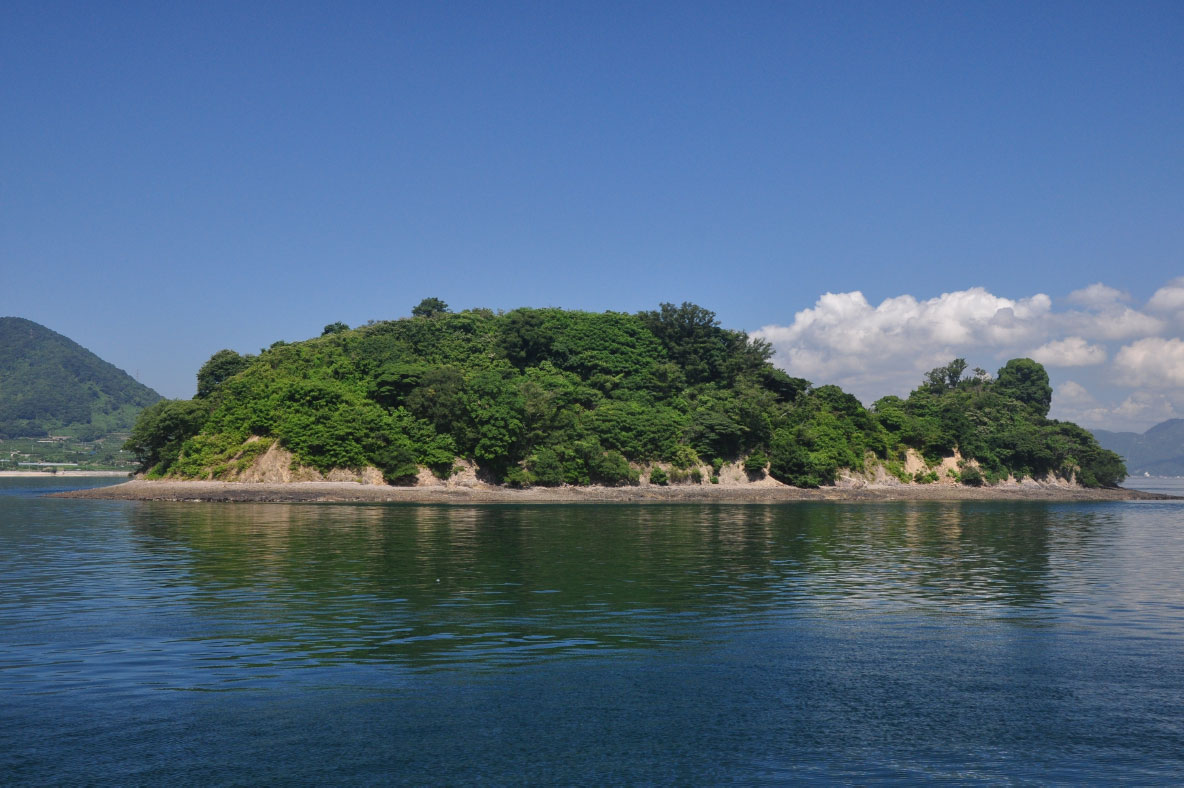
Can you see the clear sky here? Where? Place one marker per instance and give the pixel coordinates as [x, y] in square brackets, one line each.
[176, 178]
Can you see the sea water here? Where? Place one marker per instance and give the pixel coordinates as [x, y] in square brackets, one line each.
[156, 643]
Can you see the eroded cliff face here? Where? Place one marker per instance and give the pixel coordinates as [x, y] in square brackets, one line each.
[277, 465]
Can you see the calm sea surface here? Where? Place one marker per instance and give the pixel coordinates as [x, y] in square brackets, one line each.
[154, 643]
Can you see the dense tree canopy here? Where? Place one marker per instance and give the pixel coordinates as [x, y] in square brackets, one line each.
[1002, 425]
[49, 383]
[548, 396]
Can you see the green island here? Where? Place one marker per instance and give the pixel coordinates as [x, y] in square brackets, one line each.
[551, 397]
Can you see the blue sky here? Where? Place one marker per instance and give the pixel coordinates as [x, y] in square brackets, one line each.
[178, 178]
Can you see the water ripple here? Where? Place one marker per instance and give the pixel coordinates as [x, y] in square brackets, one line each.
[985, 626]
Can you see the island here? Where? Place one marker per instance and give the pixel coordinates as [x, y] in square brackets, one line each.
[551, 404]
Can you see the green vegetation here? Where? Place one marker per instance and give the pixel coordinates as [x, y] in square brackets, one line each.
[549, 397]
[66, 453]
[1001, 424]
[52, 386]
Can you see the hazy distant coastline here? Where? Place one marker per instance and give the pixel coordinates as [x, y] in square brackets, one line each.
[33, 474]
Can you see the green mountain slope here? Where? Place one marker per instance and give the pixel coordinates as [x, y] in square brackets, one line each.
[548, 397]
[51, 384]
[1159, 451]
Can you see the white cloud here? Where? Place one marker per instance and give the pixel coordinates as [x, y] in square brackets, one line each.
[844, 338]
[1097, 295]
[1073, 393]
[876, 349]
[1154, 362]
[1143, 407]
[1169, 298]
[1140, 409]
[1069, 352]
[1071, 401]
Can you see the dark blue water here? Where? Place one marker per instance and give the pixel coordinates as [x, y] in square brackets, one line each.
[150, 643]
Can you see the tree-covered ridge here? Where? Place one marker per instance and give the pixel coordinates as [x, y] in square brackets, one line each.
[551, 396]
[51, 384]
[1158, 452]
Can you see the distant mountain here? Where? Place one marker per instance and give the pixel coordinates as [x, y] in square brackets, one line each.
[50, 384]
[1159, 451]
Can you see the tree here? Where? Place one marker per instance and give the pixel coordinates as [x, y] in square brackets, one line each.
[947, 377]
[439, 399]
[222, 365]
[429, 307]
[394, 381]
[525, 338]
[334, 328]
[1025, 380]
[161, 429]
[692, 338]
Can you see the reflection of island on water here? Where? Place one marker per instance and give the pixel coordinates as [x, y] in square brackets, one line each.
[429, 585]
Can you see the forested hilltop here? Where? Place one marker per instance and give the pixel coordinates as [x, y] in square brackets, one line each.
[551, 397]
[51, 384]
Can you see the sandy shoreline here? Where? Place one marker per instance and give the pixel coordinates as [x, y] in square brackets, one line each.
[343, 492]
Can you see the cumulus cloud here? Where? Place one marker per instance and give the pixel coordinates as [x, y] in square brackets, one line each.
[886, 348]
[1142, 407]
[1097, 295]
[1114, 322]
[1169, 298]
[1071, 401]
[1154, 362]
[843, 337]
[1069, 352]
[1072, 393]
[1138, 411]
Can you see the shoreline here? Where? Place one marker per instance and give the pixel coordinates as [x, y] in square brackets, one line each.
[60, 474]
[352, 492]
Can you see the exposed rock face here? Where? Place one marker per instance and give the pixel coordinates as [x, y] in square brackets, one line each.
[276, 466]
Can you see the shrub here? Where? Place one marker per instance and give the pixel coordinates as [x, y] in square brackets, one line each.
[756, 462]
[896, 469]
[657, 476]
[696, 476]
[685, 457]
[518, 477]
[792, 463]
[397, 463]
[715, 480]
[545, 467]
[612, 470]
[971, 476]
